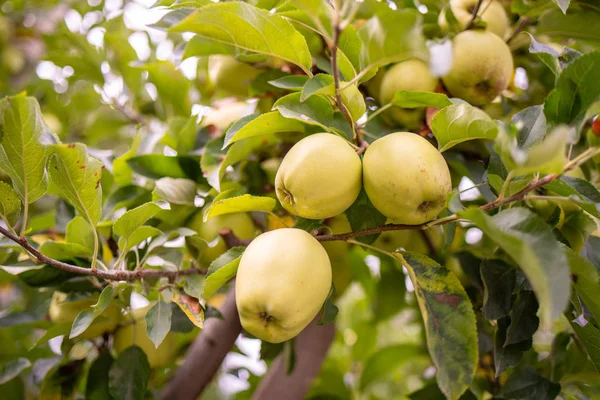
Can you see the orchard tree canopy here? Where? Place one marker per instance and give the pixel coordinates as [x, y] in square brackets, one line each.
[300, 199]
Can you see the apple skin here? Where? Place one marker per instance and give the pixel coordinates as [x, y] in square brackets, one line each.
[409, 240]
[374, 85]
[406, 178]
[491, 12]
[241, 225]
[231, 76]
[134, 333]
[337, 250]
[412, 75]
[482, 67]
[62, 311]
[283, 279]
[320, 177]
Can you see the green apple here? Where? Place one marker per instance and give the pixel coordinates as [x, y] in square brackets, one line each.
[411, 75]
[64, 311]
[354, 101]
[230, 75]
[406, 178]
[283, 279]
[241, 225]
[337, 250]
[576, 172]
[320, 177]
[482, 67]
[374, 85]
[270, 167]
[133, 333]
[410, 240]
[491, 12]
[226, 112]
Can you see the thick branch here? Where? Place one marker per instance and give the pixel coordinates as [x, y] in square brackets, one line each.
[205, 355]
[311, 347]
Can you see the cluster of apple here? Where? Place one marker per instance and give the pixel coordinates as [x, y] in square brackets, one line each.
[404, 176]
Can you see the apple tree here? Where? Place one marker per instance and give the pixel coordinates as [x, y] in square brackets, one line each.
[290, 199]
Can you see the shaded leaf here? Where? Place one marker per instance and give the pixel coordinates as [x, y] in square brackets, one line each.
[330, 310]
[499, 281]
[158, 322]
[96, 387]
[386, 360]
[157, 166]
[529, 384]
[129, 375]
[523, 319]
[13, 368]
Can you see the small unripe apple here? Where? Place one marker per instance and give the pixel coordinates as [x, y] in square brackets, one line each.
[283, 279]
[406, 178]
[490, 11]
[410, 240]
[337, 250]
[64, 311]
[412, 75]
[241, 225]
[320, 177]
[133, 333]
[231, 76]
[482, 67]
[374, 85]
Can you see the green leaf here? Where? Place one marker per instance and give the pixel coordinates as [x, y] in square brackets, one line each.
[323, 84]
[158, 322]
[578, 25]
[259, 125]
[290, 82]
[64, 251]
[529, 384]
[392, 36]
[175, 190]
[577, 87]
[389, 291]
[181, 134]
[10, 206]
[80, 232]
[507, 356]
[129, 375]
[221, 271]
[129, 225]
[13, 368]
[249, 28]
[562, 4]
[498, 281]
[548, 55]
[523, 319]
[449, 322]
[23, 146]
[211, 162]
[200, 46]
[172, 86]
[157, 166]
[408, 99]
[531, 123]
[52, 332]
[530, 243]
[385, 361]
[316, 110]
[461, 122]
[585, 282]
[77, 178]
[589, 337]
[330, 310]
[83, 321]
[231, 201]
[362, 215]
[96, 387]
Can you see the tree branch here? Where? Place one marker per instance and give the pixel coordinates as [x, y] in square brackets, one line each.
[205, 355]
[474, 16]
[311, 347]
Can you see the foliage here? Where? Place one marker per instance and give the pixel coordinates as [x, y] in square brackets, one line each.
[135, 168]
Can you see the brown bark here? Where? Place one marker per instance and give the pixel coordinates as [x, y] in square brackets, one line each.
[205, 355]
[311, 347]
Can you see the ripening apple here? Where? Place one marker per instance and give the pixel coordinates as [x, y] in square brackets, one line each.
[320, 177]
[133, 332]
[491, 12]
[230, 75]
[226, 112]
[283, 279]
[411, 75]
[482, 67]
[406, 178]
[64, 311]
[337, 250]
[241, 225]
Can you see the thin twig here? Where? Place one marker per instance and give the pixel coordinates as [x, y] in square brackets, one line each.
[474, 16]
[521, 25]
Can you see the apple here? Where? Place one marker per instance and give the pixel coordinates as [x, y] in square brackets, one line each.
[412, 75]
[320, 177]
[406, 178]
[270, 167]
[231, 76]
[576, 172]
[409, 240]
[241, 225]
[482, 67]
[225, 112]
[133, 333]
[64, 311]
[337, 250]
[374, 85]
[354, 101]
[491, 12]
[283, 279]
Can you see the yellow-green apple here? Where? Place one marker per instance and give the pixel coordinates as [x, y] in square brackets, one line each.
[491, 12]
[283, 279]
[64, 311]
[337, 250]
[241, 225]
[320, 177]
[406, 178]
[133, 333]
[410, 240]
[482, 67]
[411, 75]
[230, 75]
